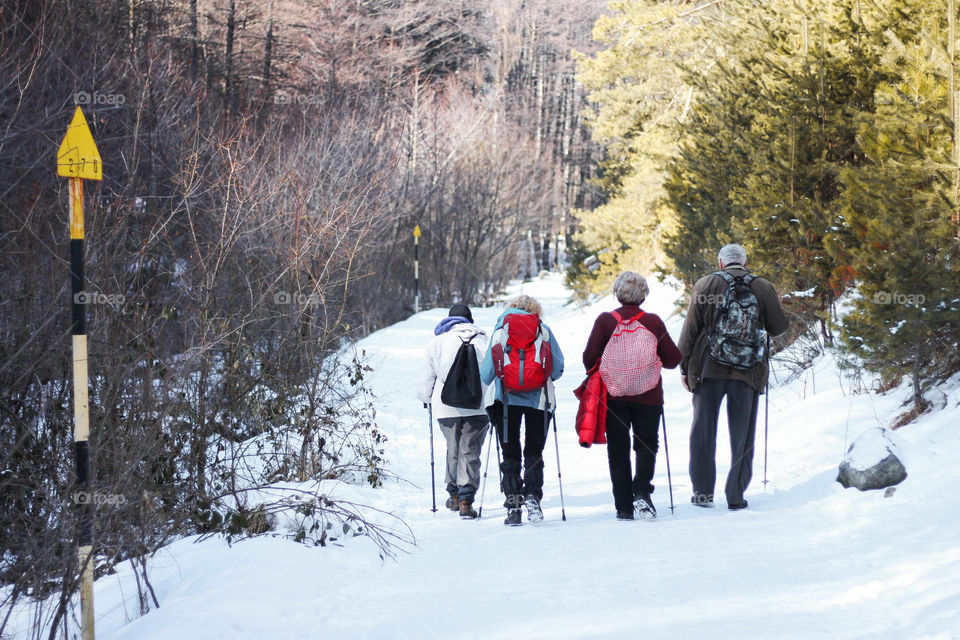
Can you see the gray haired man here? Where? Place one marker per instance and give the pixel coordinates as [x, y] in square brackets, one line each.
[710, 379]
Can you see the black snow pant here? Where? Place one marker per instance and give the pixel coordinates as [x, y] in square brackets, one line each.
[742, 401]
[645, 420]
[535, 436]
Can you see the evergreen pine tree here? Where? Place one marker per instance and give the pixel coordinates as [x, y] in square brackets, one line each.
[899, 207]
[640, 99]
[815, 69]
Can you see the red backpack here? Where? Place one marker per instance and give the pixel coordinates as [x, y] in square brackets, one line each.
[522, 359]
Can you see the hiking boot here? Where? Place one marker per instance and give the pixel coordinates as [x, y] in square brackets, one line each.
[624, 515]
[643, 506]
[702, 500]
[453, 503]
[736, 506]
[467, 510]
[513, 518]
[534, 512]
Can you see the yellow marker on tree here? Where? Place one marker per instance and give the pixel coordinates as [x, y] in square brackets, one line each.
[79, 160]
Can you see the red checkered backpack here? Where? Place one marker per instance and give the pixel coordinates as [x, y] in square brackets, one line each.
[522, 358]
[630, 365]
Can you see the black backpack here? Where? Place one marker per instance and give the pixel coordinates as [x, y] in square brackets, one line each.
[736, 340]
[462, 388]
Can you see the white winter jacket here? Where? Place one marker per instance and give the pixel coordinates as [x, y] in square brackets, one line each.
[439, 359]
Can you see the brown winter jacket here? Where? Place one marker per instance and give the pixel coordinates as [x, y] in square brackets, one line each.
[707, 297]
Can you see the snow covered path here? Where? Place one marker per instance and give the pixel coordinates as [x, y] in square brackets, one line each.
[807, 559]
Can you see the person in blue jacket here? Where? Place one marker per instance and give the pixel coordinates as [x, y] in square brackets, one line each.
[534, 409]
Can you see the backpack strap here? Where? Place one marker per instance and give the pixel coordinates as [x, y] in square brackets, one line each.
[729, 277]
[543, 331]
[545, 391]
[620, 319]
[726, 275]
[497, 352]
[504, 336]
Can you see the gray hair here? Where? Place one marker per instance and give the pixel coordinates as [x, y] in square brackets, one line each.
[630, 288]
[732, 254]
[525, 303]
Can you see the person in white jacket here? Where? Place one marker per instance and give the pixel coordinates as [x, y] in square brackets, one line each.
[464, 429]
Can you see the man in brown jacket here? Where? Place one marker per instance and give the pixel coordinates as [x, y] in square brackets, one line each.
[711, 381]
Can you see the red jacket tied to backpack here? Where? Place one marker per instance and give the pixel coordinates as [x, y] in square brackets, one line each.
[522, 359]
[591, 421]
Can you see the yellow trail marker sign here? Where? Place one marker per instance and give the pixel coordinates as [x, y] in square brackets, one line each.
[416, 231]
[79, 160]
[78, 156]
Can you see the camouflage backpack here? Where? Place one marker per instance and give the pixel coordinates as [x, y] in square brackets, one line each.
[737, 337]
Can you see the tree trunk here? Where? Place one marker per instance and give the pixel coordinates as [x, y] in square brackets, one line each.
[954, 112]
[267, 55]
[131, 26]
[917, 361]
[540, 74]
[228, 62]
[194, 40]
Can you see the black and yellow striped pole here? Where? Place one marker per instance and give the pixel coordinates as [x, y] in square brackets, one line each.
[79, 160]
[416, 269]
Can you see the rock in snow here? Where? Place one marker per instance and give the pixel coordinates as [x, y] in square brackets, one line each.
[873, 461]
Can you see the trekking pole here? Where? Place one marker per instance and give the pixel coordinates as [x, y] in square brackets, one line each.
[563, 511]
[666, 451]
[486, 468]
[505, 430]
[766, 413]
[496, 435]
[433, 482]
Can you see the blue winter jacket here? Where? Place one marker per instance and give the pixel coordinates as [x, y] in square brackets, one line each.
[522, 398]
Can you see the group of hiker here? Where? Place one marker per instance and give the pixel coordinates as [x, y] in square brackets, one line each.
[473, 383]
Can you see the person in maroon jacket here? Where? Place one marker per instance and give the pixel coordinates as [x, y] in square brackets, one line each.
[642, 411]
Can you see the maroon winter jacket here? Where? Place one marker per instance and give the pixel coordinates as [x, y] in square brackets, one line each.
[602, 330]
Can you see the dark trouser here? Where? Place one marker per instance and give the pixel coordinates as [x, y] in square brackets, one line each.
[535, 436]
[464, 444]
[742, 420]
[645, 419]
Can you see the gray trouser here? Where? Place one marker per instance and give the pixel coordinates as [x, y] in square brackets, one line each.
[464, 443]
[742, 422]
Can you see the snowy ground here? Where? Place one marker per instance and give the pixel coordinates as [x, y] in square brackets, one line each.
[807, 559]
